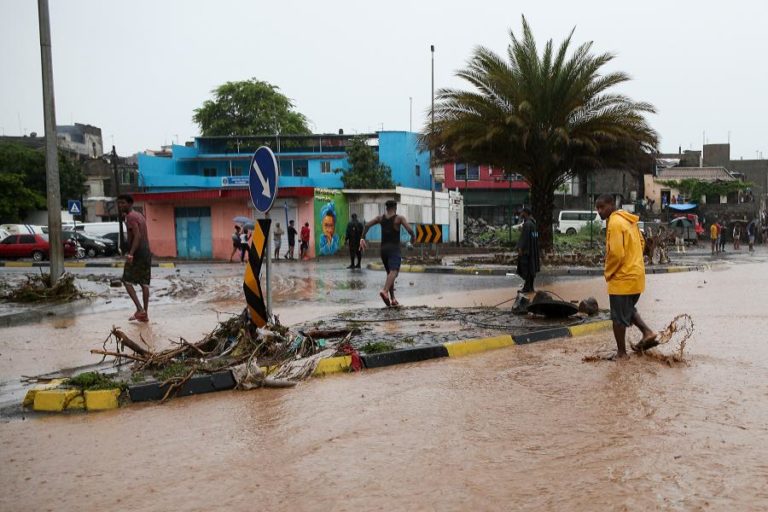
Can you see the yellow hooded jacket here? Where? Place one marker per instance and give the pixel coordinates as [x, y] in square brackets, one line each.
[624, 267]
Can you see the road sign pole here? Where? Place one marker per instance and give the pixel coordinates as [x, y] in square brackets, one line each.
[262, 185]
[268, 272]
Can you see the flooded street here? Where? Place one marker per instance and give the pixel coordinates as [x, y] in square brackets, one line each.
[529, 427]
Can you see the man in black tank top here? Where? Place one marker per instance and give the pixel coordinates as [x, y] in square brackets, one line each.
[390, 224]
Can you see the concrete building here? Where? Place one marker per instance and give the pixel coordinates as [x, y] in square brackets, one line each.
[658, 188]
[488, 193]
[82, 139]
[192, 193]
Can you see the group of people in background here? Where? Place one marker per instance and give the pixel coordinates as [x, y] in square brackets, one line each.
[718, 233]
[241, 241]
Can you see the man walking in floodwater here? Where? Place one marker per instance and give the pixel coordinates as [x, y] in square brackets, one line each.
[138, 259]
[390, 224]
[624, 272]
[528, 261]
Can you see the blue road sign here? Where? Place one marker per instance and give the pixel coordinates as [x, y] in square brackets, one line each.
[74, 206]
[263, 179]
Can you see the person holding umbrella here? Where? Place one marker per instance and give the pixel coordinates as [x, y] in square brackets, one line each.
[235, 242]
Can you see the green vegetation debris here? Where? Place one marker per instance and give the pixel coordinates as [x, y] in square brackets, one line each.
[375, 347]
[94, 380]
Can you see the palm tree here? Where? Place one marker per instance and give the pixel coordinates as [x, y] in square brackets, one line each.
[544, 116]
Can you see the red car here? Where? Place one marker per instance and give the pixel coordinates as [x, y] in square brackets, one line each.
[34, 246]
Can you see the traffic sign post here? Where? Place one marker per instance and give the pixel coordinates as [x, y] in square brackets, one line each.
[262, 185]
[75, 207]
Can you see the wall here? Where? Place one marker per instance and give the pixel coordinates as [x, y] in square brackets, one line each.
[161, 229]
[717, 155]
[399, 150]
[754, 171]
[327, 201]
[222, 225]
[489, 178]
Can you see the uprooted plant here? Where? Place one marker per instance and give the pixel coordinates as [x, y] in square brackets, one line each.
[234, 344]
[37, 288]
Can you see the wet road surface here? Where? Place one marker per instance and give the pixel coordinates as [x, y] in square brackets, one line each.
[529, 427]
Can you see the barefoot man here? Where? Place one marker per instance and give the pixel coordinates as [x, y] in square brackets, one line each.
[390, 224]
[138, 259]
[624, 271]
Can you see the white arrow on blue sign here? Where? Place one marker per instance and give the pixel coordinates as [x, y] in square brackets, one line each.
[74, 206]
[263, 179]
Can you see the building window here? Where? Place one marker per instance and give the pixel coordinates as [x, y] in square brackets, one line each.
[325, 167]
[297, 168]
[467, 172]
[286, 167]
[461, 171]
[417, 170]
[209, 172]
[301, 168]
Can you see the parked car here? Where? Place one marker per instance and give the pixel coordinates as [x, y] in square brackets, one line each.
[93, 246]
[113, 238]
[34, 246]
[571, 221]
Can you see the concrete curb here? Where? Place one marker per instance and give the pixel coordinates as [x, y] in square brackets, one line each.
[77, 264]
[463, 347]
[482, 271]
[52, 398]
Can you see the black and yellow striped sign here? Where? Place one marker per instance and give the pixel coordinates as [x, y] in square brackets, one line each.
[257, 308]
[429, 234]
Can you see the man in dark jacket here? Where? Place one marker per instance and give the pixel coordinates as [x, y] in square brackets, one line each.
[354, 233]
[528, 260]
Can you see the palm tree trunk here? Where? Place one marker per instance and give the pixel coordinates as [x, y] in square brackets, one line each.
[543, 205]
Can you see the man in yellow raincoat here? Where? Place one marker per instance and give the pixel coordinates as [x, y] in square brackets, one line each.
[624, 272]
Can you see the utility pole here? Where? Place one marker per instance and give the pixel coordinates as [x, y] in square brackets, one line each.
[113, 157]
[432, 131]
[53, 193]
[410, 113]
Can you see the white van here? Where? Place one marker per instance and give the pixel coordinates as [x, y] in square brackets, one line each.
[571, 221]
[99, 228]
[23, 229]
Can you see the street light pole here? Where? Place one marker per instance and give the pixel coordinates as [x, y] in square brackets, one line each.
[113, 157]
[432, 131]
[53, 193]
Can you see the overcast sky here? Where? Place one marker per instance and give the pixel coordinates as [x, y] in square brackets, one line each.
[138, 68]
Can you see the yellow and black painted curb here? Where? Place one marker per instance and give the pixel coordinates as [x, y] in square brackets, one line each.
[458, 348]
[56, 397]
[484, 271]
[78, 264]
[52, 397]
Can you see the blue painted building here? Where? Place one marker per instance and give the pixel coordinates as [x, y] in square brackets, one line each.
[305, 161]
[192, 193]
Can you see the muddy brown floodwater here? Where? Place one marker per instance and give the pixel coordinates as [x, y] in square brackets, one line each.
[529, 427]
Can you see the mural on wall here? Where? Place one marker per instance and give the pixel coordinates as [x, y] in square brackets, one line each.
[331, 218]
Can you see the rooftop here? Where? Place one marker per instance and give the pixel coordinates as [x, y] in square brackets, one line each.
[696, 173]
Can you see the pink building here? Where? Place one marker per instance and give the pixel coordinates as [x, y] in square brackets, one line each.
[199, 224]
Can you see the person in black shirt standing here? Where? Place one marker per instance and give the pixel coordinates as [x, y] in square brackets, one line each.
[528, 260]
[354, 233]
[291, 240]
[390, 247]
